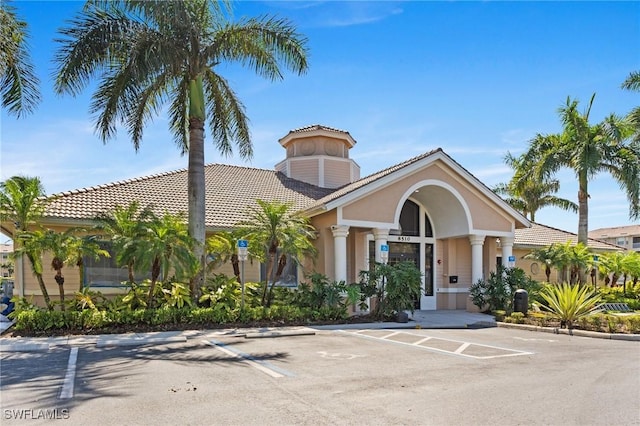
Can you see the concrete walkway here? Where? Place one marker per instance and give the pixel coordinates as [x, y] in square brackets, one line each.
[419, 319]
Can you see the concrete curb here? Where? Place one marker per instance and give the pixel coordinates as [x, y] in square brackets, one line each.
[573, 332]
[24, 347]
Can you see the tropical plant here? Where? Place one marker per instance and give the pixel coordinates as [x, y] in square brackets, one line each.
[22, 202]
[18, 81]
[588, 149]
[395, 287]
[496, 292]
[547, 255]
[112, 41]
[30, 244]
[177, 296]
[165, 245]
[85, 246]
[222, 247]
[58, 244]
[612, 266]
[125, 226]
[568, 303]
[275, 234]
[321, 291]
[633, 83]
[630, 268]
[528, 194]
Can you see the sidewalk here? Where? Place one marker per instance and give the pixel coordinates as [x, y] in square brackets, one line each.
[419, 319]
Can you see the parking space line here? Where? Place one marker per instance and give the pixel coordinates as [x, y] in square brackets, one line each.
[422, 340]
[462, 348]
[459, 351]
[263, 366]
[70, 377]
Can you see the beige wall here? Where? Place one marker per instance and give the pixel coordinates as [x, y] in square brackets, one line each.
[381, 205]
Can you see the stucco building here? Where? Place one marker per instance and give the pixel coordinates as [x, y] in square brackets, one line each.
[427, 209]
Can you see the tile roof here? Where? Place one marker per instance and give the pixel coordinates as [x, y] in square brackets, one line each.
[228, 187]
[541, 235]
[314, 127]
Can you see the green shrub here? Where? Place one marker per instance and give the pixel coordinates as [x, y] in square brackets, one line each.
[569, 302]
[496, 293]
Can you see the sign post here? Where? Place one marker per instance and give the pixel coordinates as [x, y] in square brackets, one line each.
[243, 249]
[384, 253]
[512, 261]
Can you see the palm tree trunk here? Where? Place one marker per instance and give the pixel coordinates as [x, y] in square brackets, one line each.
[282, 262]
[155, 273]
[236, 266]
[60, 280]
[270, 264]
[43, 287]
[196, 197]
[80, 265]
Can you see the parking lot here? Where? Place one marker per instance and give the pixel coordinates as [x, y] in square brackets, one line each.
[368, 376]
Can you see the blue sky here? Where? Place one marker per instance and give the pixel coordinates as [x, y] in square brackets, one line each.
[477, 79]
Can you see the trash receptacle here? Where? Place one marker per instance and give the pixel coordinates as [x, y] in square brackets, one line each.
[521, 301]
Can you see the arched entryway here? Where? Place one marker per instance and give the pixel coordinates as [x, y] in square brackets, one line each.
[414, 242]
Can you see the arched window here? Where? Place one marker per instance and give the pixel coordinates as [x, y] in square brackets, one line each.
[410, 219]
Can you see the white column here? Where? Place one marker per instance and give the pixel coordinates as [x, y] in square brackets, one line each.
[477, 242]
[340, 233]
[507, 250]
[380, 236]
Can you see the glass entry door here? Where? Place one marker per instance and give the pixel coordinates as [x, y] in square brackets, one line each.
[405, 252]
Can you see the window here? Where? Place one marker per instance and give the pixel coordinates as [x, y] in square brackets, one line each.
[636, 242]
[410, 219]
[105, 272]
[621, 241]
[289, 277]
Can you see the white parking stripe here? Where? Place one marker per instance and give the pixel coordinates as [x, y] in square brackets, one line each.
[462, 348]
[70, 377]
[506, 352]
[266, 368]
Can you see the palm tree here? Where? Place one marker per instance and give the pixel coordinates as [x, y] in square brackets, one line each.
[527, 194]
[222, 245]
[18, 82]
[547, 255]
[22, 201]
[588, 150]
[146, 53]
[59, 245]
[612, 264]
[630, 267]
[30, 244]
[125, 226]
[273, 229]
[165, 244]
[633, 83]
[85, 246]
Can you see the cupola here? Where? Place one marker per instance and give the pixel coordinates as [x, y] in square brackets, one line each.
[319, 155]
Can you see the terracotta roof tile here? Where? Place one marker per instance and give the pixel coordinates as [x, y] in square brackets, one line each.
[227, 188]
[616, 231]
[541, 235]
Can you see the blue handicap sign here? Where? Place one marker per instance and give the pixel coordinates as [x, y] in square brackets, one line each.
[512, 258]
[384, 247]
[243, 243]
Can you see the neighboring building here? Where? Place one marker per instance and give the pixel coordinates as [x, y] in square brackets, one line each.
[539, 236]
[623, 236]
[6, 263]
[428, 209]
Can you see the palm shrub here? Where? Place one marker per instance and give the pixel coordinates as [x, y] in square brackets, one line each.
[396, 287]
[569, 303]
[496, 292]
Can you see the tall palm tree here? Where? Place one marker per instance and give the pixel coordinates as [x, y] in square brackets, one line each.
[125, 226]
[146, 53]
[528, 194]
[633, 83]
[273, 229]
[59, 245]
[18, 82]
[588, 149]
